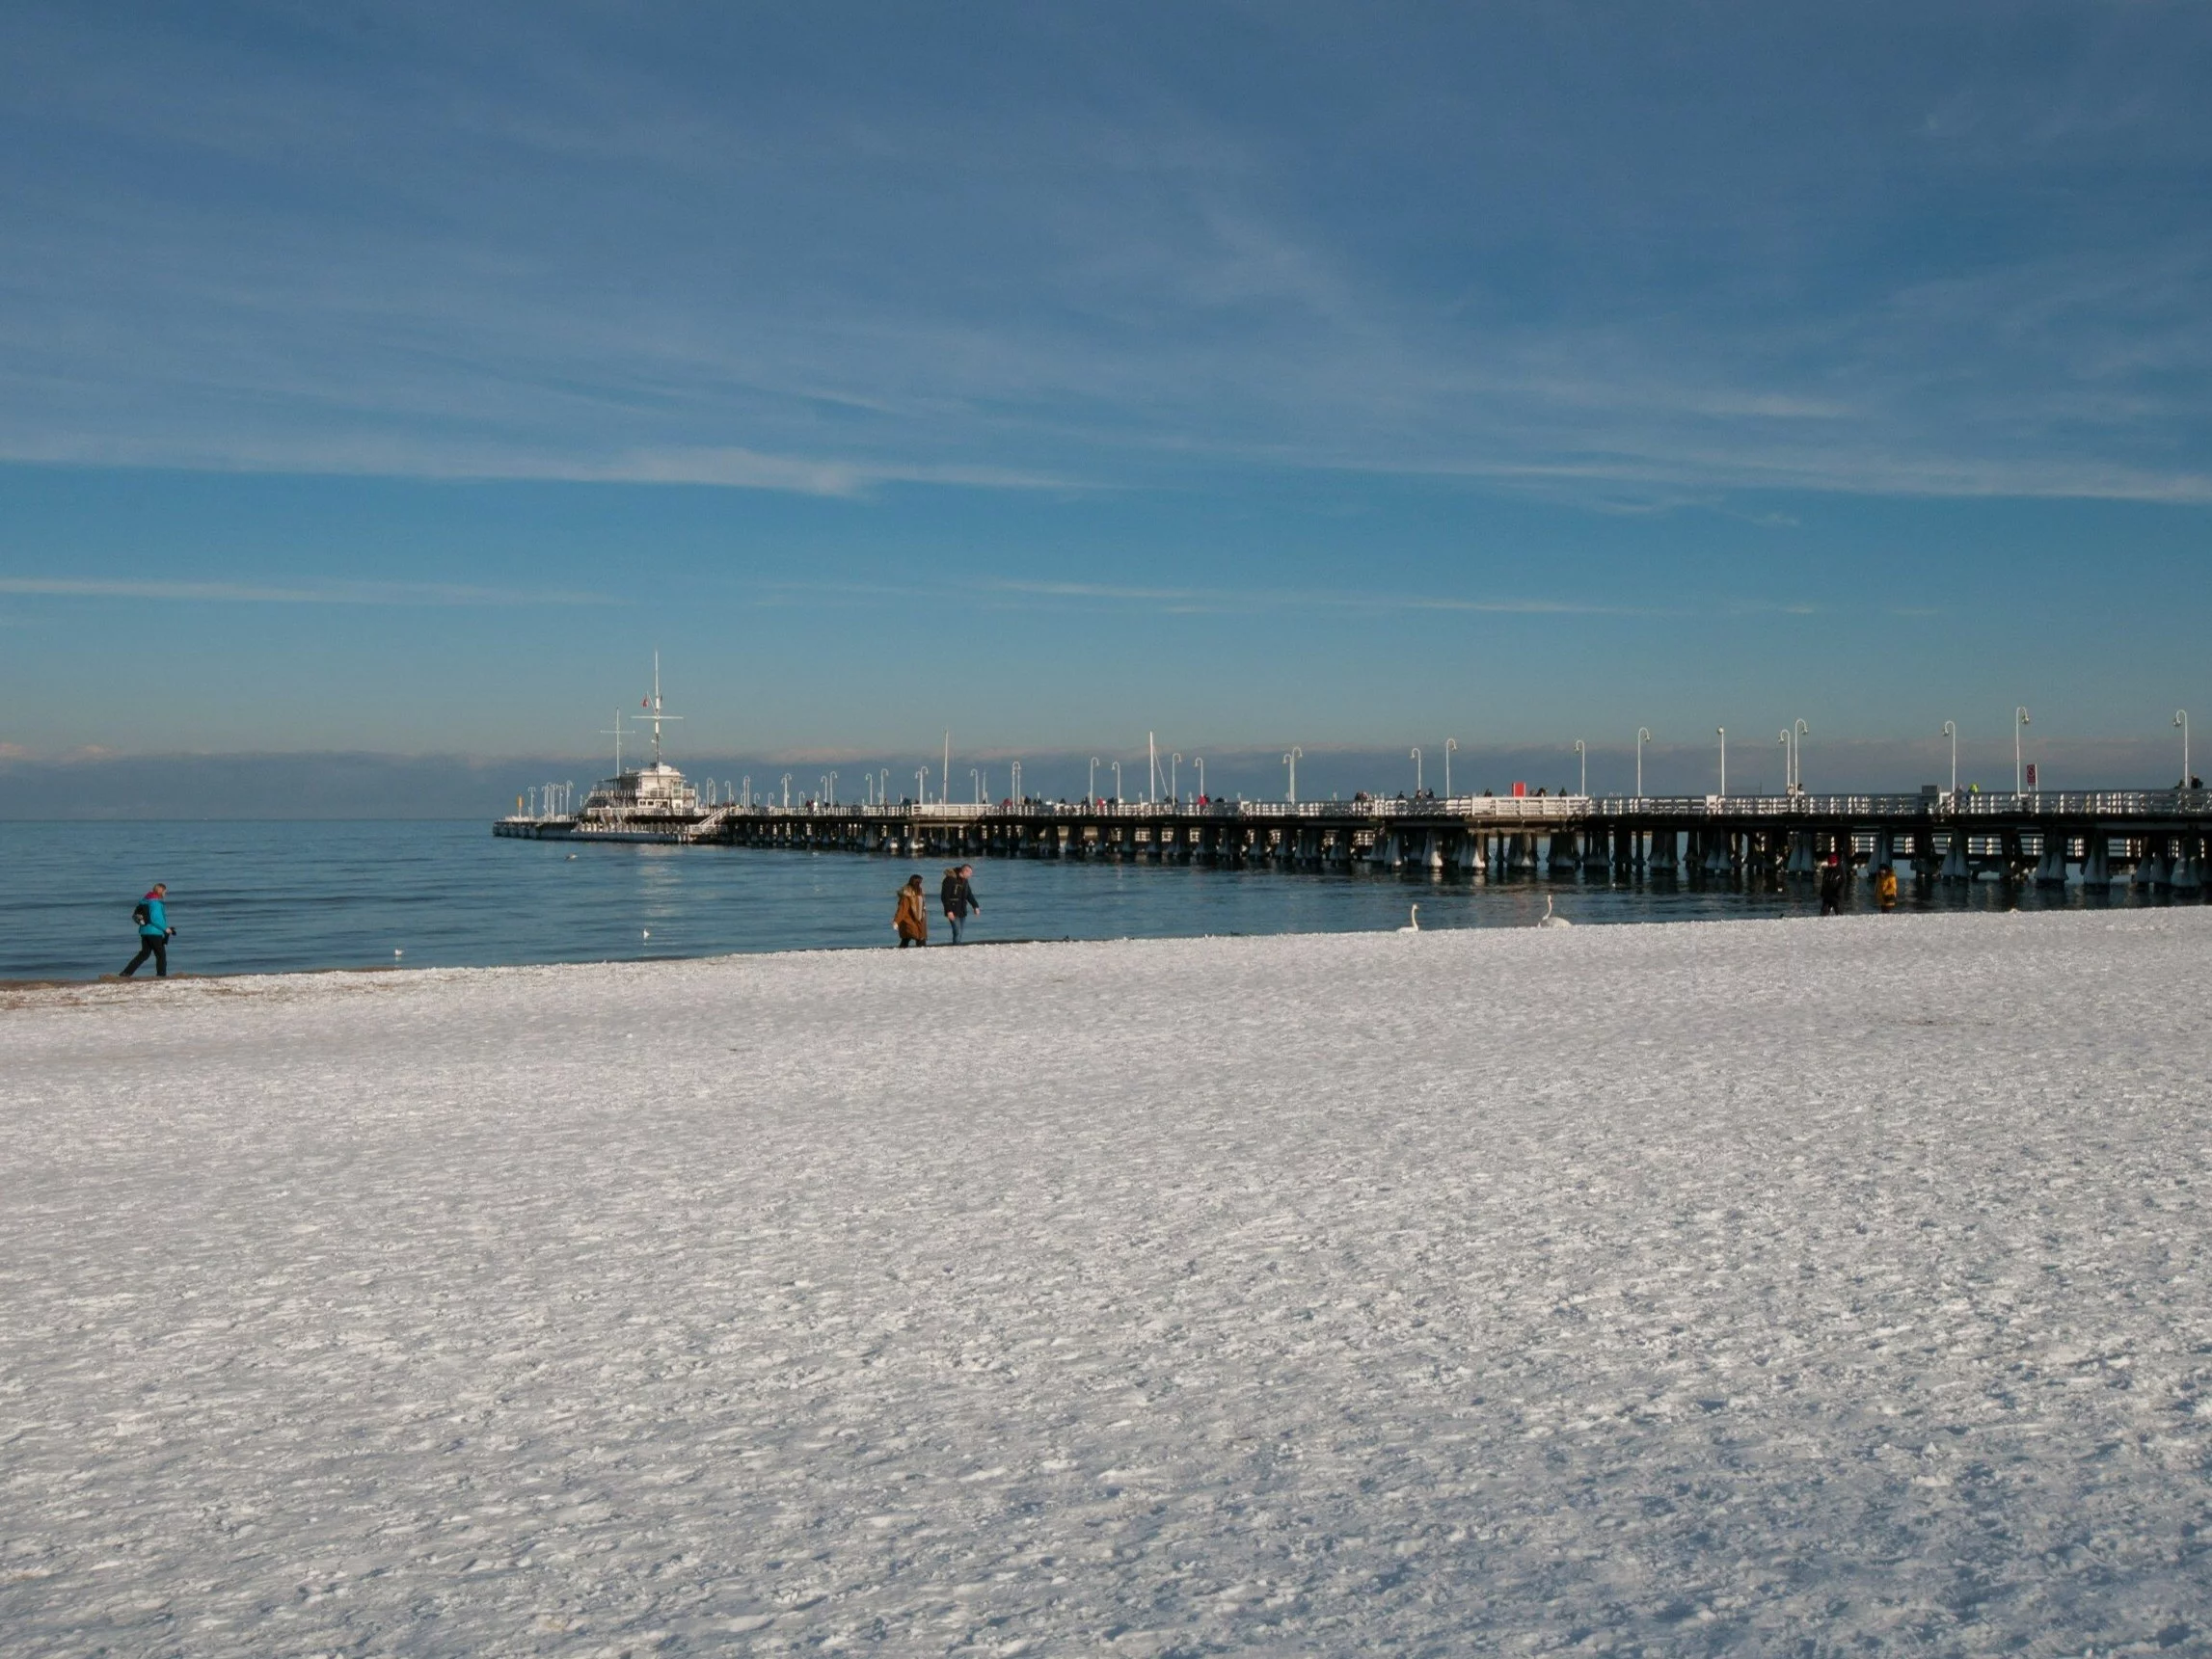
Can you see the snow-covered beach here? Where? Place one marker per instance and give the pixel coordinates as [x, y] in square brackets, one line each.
[1774, 1287]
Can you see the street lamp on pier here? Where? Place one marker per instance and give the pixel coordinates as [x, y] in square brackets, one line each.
[1415, 756]
[2181, 719]
[1951, 730]
[1116, 766]
[1643, 736]
[1015, 785]
[1582, 754]
[1789, 778]
[1723, 731]
[1175, 779]
[976, 777]
[1291, 760]
[921, 786]
[1450, 748]
[748, 788]
[1091, 795]
[2019, 773]
[787, 791]
[1199, 761]
[1798, 732]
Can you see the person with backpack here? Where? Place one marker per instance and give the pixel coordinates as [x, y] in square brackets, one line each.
[911, 919]
[154, 932]
[1832, 886]
[958, 899]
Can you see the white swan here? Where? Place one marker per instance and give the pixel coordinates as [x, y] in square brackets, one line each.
[1415, 925]
[1550, 919]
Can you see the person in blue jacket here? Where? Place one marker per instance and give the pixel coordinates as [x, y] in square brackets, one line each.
[154, 932]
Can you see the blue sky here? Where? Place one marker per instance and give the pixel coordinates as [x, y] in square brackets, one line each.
[398, 378]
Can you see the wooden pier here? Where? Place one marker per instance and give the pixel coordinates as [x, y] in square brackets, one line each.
[2151, 837]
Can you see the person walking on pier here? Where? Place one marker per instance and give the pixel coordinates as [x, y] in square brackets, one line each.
[958, 899]
[1832, 886]
[912, 921]
[154, 932]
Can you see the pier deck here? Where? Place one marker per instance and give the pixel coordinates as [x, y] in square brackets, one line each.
[2154, 837]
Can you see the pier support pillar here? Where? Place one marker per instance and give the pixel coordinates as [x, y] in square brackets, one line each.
[2188, 872]
[2150, 870]
[2051, 867]
[2097, 860]
[1956, 869]
[1596, 853]
[1664, 859]
[1883, 857]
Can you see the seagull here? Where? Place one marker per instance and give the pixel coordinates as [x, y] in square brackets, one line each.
[396, 954]
[1415, 925]
[1550, 919]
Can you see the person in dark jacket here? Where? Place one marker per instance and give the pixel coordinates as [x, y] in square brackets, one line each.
[1832, 886]
[958, 898]
[154, 932]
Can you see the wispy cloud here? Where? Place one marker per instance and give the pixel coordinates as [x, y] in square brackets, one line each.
[1212, 599]
[1073, 260]
[338, 593]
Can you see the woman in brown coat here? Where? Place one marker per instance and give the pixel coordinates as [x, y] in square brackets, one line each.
[911, 919]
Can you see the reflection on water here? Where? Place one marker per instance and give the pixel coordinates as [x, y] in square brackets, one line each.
[279, 897]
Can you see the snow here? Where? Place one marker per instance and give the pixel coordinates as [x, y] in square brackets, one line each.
[1763, 1287]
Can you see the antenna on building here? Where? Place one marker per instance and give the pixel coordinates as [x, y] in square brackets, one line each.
[657, 716]
[617, 735]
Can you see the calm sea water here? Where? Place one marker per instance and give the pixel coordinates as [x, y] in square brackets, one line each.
[264, 898]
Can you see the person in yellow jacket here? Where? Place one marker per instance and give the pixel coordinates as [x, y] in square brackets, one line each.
[1885, 887]
[911, 918]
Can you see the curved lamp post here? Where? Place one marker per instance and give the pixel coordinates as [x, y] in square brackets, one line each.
[1415, 756]
[1450, 748]
[1175, 779]
[1199, 761]
[1091, 796]
[1291, 760]
[1798, 732]
[1723, 731]
[1951, 730]
[1643, 736]
[2181, 719]
[787, 791]
[2019, 774]
[1582, 754]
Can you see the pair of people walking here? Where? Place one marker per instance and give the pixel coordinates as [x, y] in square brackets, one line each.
[956, 896]
[152, 914]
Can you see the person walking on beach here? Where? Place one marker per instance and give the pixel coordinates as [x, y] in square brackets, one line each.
[958, 899]
[154, 932]
[1832, 886]
[911, 919]
[1885, 887]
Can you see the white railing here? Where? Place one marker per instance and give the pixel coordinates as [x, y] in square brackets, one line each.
[1513, 809]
